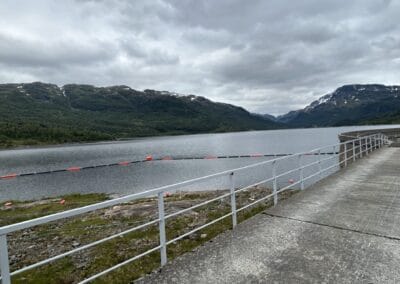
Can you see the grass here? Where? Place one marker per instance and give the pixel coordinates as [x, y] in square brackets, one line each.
[26, 210]
[56, 237]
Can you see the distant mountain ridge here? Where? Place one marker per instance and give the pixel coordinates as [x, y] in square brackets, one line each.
[40, 113]
[32, 113]
[348, 105]
[270, 117]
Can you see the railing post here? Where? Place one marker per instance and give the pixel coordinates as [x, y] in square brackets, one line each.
[301, 172]
[275, 183]
[161, 216]
[319, 163]
[371, 148]
[233, 199]
[360, 146]
[4, 262]
[366, 146]
[369, 144]
[372, 143]
[345, 154]
[354, 151]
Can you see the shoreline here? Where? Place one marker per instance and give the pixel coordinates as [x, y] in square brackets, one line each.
[44, 145]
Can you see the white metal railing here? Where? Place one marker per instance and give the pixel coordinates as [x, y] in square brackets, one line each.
[357, 147]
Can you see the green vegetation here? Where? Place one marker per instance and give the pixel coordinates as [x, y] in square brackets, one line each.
[39, 113]
[389, 118]
[350, 105]
[25, 210]
[35, 244]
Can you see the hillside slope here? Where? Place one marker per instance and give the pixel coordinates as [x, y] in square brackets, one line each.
[45, 113]
[349, 105]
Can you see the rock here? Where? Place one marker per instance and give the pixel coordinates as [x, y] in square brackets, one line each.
[75, 244]
[80, 265]
[192, 236]
[203, 236]
[117, 207]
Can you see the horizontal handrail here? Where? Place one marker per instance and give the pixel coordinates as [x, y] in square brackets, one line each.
[365, 145]
[87, 280]
[108, 203]
[48, 260]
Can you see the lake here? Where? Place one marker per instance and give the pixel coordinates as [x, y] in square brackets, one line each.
[123, 180]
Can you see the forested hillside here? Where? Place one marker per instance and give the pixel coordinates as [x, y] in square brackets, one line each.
[38, 113]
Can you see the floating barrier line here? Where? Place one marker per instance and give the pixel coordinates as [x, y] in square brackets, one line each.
[150, 159]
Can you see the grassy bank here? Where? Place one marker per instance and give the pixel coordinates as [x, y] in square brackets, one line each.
[38, 243]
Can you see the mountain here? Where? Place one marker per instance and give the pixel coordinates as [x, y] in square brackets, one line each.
[349, 105]
[35, 113]
[269, 117]
[391, 118]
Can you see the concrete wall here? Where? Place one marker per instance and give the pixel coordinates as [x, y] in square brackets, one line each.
[392, 133]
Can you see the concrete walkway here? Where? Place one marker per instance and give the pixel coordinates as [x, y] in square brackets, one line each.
[345, 229]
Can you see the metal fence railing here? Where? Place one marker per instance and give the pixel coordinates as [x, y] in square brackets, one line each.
[341, 155]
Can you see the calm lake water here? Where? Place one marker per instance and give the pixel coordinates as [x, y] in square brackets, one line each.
[139, 177]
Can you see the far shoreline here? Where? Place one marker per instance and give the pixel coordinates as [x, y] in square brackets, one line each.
[140, 138]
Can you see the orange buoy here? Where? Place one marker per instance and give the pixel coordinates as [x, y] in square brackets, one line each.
[62, 201]
[149, 158]
[256, 155]
[9, 176]
[210, 157]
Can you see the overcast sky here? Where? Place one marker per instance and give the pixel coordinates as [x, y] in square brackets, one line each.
[267, 56]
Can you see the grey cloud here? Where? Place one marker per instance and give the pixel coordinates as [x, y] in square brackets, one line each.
[42, 53]
[268, 56]
[152, 56]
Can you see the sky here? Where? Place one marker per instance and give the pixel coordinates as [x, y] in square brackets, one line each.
[268, 56]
